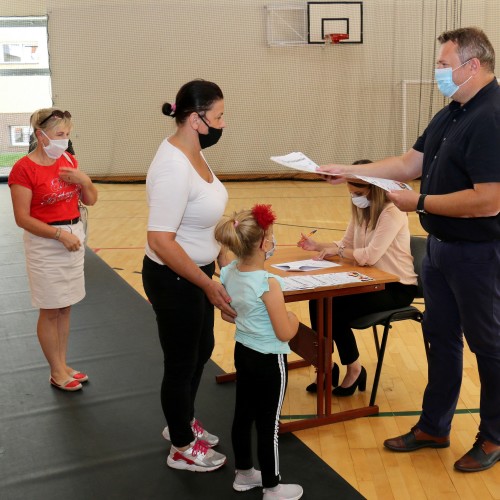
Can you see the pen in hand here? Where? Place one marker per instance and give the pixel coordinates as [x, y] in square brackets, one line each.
[303, 237]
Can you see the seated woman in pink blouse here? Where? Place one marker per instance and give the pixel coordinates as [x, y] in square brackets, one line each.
[378, 235]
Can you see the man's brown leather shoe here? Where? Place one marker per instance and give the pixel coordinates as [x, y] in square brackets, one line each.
[415, 440]
[483, 455]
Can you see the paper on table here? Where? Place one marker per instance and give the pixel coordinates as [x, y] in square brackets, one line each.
[320, 280]
[305, 265]
[299, 161]
[296, 283]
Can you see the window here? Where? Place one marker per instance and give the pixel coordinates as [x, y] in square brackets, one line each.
[24, 82]
[19, 53]
[19, 135]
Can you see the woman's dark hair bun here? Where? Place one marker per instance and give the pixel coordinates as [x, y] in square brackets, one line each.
[167, 109]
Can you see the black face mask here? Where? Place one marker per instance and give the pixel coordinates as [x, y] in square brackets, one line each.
[210, 139]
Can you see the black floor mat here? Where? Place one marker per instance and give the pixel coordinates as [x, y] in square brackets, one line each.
[104, 442]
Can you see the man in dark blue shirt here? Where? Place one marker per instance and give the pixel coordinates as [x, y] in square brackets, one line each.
[458, 159]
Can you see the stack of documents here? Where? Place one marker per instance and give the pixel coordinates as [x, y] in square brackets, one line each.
[319, 280]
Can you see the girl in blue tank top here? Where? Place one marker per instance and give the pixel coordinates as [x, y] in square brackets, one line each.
[263, 329]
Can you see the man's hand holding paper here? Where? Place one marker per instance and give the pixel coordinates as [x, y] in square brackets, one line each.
[333, 173]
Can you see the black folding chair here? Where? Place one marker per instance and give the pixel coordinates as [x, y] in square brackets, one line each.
[386, 318]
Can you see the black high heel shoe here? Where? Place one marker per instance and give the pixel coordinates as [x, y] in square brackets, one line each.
[335, 380]
[359, 383]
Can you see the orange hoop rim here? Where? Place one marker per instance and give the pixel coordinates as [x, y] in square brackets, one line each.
[335, 38]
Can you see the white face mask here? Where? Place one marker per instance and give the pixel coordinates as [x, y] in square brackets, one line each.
[56, 147]
[270, 253]
[361, 201]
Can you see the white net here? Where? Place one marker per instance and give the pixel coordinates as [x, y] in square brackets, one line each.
[114, 63]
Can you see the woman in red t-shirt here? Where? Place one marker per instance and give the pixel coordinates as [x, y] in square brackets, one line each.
[45, 188]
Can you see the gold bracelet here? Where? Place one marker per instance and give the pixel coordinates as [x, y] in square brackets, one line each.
[58, 233]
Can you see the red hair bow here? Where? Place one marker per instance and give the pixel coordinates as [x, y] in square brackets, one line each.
[263, 215]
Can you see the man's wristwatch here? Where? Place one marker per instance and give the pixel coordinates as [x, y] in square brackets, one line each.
[420, 204]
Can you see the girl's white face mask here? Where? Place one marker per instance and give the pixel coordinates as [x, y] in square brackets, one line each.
[270, 253]
[56, 147]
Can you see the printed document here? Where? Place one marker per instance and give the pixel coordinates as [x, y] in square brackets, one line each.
[299, 161]
[309, 281]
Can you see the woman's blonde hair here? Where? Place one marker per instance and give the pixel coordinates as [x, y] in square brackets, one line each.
[48, 118]
[244, 231]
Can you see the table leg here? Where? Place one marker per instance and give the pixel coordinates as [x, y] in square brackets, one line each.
[231, 376]
[328, 355]
[320, 391]
[341, 416]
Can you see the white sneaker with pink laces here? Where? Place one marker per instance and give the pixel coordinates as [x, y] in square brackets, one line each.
[199, 457]
[199, 433]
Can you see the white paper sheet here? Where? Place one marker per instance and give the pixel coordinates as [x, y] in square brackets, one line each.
[299, 161]
[386, 184]
[320, 280]
[305, 265]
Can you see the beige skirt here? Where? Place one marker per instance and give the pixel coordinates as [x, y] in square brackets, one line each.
[55, 274]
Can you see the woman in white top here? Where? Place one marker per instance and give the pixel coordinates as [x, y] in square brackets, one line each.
[186, 200]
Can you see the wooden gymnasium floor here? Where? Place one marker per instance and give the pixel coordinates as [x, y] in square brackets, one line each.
[354, 449]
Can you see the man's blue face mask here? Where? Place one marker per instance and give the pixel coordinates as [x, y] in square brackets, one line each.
[444, 80]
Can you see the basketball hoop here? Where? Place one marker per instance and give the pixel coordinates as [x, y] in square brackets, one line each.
[334, 38]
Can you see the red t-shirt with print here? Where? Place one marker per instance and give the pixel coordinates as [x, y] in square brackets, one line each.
[53, 199]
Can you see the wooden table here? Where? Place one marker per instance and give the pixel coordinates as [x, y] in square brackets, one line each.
[324, 296]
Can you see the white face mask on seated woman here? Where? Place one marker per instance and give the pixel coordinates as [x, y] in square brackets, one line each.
[360, 201]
